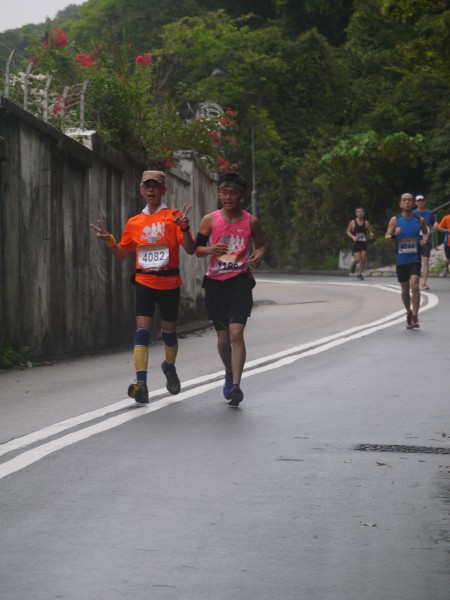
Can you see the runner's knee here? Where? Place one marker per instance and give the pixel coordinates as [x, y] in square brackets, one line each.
[142, 337]
[169, 337]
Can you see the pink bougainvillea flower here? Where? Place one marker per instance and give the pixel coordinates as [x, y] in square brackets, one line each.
[215, 137]
[145, 60]
[57, 108]
[224, 122]
[230, 112]
[55, 38]
[222, 163]
[85, 60]
[58, 38]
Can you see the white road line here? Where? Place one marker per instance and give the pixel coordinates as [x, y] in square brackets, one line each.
[46, 432]
[199, 385]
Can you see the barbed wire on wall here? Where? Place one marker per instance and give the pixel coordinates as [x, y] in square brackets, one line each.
[42, 95]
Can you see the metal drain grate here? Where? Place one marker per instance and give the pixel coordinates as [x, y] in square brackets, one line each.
[397, 448]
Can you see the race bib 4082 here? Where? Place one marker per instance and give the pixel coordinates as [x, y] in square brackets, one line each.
[153, 257]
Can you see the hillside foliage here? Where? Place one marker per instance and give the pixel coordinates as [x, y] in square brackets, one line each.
[347, 100]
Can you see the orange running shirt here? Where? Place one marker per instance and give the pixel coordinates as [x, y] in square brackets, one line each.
[445, 224]
[156, 240]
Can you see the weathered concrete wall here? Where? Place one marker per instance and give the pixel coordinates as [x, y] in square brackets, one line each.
[62, 291]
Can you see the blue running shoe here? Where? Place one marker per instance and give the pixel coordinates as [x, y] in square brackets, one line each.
[227, 385]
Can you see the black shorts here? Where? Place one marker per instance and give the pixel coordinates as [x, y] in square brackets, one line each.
[425, 250]
[404, 272]
[359, 246]
[229, 300]
[447, 252]
[147, 298]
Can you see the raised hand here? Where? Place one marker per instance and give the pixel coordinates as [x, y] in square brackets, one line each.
[180, 217]
[100, 230]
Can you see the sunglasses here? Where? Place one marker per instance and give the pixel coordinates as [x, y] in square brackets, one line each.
[152, 184]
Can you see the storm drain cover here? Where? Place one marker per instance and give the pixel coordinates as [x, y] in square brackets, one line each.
[397, 448]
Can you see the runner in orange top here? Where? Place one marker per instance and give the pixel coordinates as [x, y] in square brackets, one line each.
[444, 227]
[155, 235]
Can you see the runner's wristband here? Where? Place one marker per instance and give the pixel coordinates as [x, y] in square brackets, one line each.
[110, 242]
[185, 229]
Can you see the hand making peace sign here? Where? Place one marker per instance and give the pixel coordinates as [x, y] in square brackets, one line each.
[181, 216]
[100, 230]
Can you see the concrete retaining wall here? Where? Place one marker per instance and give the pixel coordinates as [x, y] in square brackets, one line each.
[62, 292]
[376, 257]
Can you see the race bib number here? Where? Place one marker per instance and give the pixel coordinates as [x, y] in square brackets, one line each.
[153, 257]
[360, 237]
[227, 263]
[407, 246]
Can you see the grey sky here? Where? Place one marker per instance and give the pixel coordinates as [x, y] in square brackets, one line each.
[23, 12]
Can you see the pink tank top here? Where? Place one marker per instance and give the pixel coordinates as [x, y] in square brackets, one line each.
[237, 236]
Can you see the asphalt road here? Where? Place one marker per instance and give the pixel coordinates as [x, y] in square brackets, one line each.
[189, 499]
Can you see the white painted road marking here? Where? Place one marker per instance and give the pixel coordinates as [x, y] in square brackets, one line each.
[197, 386]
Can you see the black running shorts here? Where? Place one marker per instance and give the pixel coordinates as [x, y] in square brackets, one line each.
[228, 301]
[425, 250]
[147, 298]
[359, 247]
[404, 272]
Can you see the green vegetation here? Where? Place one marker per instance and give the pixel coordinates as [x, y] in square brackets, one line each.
[348, 100]
[438, 267]
[11, 358]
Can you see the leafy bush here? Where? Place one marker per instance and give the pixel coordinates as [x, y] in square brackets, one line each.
[11, 358]
[8, 358]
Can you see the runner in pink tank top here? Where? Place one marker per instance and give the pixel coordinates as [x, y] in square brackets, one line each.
[226, 236]
[237, 238]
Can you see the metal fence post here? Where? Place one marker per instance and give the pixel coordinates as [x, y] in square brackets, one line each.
[7, 70]
[82, 102]
[26, 84]
[46, 94]
[63, 104]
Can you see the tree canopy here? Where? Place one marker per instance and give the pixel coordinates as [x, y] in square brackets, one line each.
[347, 101]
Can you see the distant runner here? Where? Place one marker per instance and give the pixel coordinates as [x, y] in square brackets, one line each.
[358, 230]
[432, 224]
[405, 230]
[444, 227]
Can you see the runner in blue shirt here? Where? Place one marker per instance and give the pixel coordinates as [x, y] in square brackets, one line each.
[406, 229]
[432, 224]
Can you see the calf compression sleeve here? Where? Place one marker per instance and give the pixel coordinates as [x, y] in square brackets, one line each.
[141, 342]
[170, 345]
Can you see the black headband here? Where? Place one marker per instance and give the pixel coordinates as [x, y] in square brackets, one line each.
[233, 184]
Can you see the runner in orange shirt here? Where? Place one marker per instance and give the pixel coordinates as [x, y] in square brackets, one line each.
[155, 235]
[444, 227]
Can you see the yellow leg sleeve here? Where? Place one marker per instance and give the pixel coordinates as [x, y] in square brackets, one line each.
[171, 353]
[140, 358]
